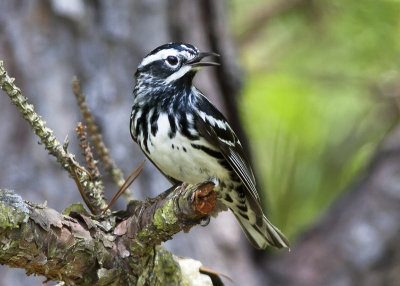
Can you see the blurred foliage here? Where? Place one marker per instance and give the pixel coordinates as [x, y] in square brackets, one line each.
[317, 98]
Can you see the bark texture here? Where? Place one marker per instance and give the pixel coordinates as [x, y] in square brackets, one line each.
[119, 249]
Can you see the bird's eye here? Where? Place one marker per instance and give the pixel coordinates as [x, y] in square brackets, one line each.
[172, 60]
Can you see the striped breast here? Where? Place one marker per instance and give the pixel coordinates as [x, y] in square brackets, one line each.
[173, 144]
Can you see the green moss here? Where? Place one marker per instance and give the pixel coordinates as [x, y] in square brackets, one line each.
[77, 208]
[165, 216]
[159, 268]
[166, 269]
[146, 264]
[142, 235]
[52, 249]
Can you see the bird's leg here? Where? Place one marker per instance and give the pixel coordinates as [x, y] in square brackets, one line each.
[180, 188]
[163, 195]
[215, 181]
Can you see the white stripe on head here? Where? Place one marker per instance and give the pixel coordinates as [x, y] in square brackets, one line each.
[162, 55]
[178, 74]
[188, 48]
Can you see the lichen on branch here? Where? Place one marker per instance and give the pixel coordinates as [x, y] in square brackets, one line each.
[50, 142]
[79, 249]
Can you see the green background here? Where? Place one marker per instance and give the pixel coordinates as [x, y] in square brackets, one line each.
[321, 81]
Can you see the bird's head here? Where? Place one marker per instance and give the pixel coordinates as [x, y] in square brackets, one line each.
[172, 63]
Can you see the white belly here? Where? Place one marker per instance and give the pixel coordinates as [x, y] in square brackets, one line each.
[178, 159]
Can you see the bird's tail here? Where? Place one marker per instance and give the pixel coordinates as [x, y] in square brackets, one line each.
[262, 233]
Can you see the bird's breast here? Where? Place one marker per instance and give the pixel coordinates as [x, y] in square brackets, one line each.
[182, 158]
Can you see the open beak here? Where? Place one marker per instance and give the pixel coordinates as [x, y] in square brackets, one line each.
[196, 62]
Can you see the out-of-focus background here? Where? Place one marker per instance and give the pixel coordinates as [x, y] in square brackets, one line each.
[311, 87]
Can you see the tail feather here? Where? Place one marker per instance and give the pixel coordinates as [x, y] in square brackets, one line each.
[262, 234]
[258, 229]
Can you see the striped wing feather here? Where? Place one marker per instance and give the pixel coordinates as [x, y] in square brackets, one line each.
[225, 140]
[263, 232]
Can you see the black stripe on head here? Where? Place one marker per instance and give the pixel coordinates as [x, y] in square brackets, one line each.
[152, 62]
[154, 66]
[177, 46]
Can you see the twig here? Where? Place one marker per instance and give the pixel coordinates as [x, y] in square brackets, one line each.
[87, 152]
[83, 194]
[94, 173]
[64, 158]
[132, 177]
[215, 274]
[97, 139]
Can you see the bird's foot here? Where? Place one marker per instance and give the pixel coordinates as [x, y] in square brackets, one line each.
[215, 181]
[161, 196]
[205, 221]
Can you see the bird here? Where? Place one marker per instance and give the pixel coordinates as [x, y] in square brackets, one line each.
[189, 140]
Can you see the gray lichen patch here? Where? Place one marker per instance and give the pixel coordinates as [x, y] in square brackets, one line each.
[13, 210]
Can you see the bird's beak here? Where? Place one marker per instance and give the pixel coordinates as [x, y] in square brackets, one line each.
[196, 61]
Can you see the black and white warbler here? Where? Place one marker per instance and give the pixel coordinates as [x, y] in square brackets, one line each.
[190, 141]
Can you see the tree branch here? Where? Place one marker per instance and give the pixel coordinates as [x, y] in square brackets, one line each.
[67, 160]
[119, 249]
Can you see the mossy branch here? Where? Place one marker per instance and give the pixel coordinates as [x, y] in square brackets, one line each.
[120, 249]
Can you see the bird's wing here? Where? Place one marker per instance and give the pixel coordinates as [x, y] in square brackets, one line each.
[212, 126]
